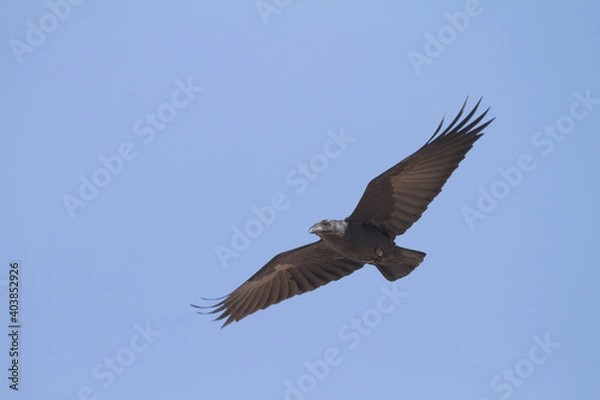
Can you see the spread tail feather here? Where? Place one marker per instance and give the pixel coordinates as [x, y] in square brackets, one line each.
[405, 262]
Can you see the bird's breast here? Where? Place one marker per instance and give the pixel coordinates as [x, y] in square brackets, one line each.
[362, 243]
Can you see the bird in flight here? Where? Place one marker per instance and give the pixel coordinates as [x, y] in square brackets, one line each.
[391, 203]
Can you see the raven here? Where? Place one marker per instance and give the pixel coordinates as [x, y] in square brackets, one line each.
[391, 203]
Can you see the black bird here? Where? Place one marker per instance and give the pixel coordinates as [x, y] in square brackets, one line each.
[391, 203]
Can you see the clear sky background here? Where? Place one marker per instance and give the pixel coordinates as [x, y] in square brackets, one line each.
[505, 304]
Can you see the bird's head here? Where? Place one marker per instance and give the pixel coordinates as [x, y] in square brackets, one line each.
[329, 226]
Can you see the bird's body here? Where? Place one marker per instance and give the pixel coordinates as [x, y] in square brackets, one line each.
[367, 244]
[391, 203]
[360, 241]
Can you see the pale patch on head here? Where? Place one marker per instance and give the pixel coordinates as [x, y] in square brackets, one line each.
[329, 226]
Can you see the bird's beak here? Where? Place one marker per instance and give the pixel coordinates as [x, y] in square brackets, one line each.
[316, 228]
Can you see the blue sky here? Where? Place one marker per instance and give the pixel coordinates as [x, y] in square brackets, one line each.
[138, 139]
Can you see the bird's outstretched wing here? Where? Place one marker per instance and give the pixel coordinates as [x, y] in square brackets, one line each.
[397, 198]
[286, 275]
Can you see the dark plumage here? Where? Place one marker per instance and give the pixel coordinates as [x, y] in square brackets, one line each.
[391, 203]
